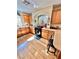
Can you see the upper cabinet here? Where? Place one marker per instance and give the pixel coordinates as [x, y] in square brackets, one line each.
[27, 18]
[56, 14]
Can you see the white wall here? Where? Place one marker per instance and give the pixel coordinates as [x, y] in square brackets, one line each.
[19, 21]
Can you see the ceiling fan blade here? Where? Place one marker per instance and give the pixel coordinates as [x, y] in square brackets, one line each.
[26, 2]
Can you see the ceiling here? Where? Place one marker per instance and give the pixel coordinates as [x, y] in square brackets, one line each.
[35, 5]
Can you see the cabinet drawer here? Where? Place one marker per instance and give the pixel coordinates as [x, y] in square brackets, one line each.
[45, 34]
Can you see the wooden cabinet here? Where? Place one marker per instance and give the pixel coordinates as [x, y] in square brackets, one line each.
[56, 15]
[56, 34]
[23, 31]
[45, 34]
[27, 18]
[32, 30]
[30, 19]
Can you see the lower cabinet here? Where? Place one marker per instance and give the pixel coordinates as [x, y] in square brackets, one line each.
[45, 33]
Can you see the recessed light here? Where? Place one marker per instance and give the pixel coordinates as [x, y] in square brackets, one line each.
[35, 6]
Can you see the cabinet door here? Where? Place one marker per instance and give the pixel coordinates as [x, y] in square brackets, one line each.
[56, 14]
[32, 30]
[30, 19]
[26, 19]
[45, 34]
[56, 17]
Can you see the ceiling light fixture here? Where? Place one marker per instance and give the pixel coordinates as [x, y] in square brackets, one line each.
[25, 2]
[35, 6]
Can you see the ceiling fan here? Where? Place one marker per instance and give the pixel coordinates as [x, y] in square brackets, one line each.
[27, 2]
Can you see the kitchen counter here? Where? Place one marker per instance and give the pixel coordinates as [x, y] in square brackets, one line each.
[57, 37]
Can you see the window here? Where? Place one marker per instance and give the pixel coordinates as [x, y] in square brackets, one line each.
[41, 20]
[19, 21]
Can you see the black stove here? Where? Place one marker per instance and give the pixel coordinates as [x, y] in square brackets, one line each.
[38, 32]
